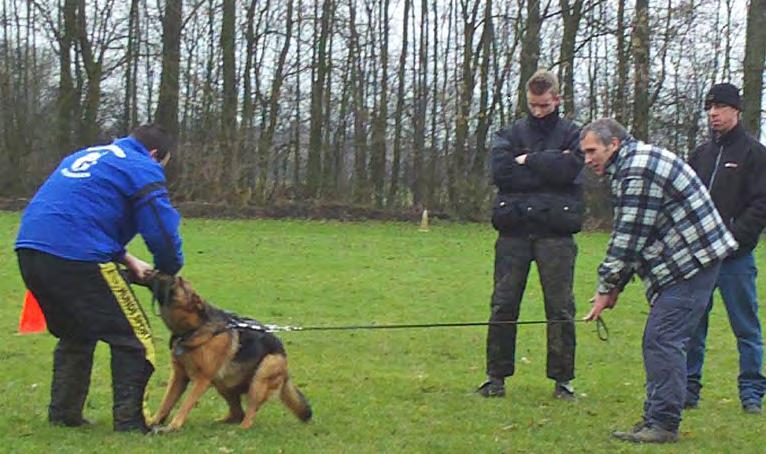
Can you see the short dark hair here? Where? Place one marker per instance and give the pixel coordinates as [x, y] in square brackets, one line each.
[543, 81]
[154, 137]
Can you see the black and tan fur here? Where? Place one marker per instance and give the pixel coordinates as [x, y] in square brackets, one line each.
[208, 351]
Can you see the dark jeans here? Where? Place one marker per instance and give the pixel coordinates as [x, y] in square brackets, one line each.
[673, 316]
[736, 282]
[555, 259]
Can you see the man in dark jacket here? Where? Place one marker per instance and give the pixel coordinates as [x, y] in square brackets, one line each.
[72, 236]
[537, 167]
[733, 167]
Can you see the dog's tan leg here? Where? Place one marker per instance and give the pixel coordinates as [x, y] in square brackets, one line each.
[269, 377]
[199, 386]
[176, 386]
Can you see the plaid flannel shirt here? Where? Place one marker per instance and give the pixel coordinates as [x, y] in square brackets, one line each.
[665, 226]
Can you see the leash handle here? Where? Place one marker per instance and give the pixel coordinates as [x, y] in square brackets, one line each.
[601, 330]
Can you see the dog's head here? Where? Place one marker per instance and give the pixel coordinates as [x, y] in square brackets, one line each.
[181, 308]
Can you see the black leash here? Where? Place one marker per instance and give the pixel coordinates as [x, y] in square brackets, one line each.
[601, 329]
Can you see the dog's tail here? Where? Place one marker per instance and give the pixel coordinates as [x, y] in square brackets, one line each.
[294, 399]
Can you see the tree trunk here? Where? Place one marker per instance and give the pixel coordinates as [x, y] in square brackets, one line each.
[421, 100]
[359, 187]
[89, 129]
[167, 103]
[314, 165]
[68, 98]
[399, 112]
[229, 150]
[378, 156]
[640, 47]
[131, 57]
[619, 98]
[755, 53]
[571, 15]
[530, 53]
[478, 178]
[267, 135]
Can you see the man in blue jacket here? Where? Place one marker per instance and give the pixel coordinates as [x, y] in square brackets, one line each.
[537, 167]
[72, 237]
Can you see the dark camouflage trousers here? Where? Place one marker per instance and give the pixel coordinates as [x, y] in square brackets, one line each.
[555, 259]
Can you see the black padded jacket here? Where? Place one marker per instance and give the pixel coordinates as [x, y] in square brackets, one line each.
[543, 197]
[733, 168]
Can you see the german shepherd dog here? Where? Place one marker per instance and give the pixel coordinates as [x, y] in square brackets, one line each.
[211, 347]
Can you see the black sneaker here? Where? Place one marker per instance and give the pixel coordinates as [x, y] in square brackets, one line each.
[647, 434]
[691, 404]
[753, 408]
[493, 387]
[70, 422]
[564, 391]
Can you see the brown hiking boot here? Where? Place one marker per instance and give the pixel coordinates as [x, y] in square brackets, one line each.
[647, 434]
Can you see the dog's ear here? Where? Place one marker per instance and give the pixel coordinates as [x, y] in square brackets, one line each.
[197, 301]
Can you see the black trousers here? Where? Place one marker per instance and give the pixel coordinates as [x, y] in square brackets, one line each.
[555, 259]
[84, 303]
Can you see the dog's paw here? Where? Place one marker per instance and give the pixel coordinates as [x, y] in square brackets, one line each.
[161, 430]
[231, 419]
[246, 424]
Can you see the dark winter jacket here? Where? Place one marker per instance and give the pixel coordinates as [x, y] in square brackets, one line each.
[733, 167]
[542, 197]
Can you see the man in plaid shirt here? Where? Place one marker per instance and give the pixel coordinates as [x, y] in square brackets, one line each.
[667, 230]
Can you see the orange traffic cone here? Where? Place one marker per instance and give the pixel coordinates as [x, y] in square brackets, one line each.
[32, 318]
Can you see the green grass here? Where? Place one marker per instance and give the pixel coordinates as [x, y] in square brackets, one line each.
[379, 390]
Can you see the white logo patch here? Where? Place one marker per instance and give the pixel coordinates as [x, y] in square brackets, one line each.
[79, 168]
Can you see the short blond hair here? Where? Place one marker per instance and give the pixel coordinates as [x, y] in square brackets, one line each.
[543, 81]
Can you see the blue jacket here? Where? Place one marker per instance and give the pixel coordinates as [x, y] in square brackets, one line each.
[97, 200]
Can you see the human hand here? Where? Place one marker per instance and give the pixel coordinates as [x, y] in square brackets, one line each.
[521, 159]
[140, 271]
[600, 302]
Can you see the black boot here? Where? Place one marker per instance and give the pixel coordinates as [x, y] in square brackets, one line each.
[72, 364]
[130, 374]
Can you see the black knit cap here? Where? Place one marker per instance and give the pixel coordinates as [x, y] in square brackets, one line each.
[724, 93]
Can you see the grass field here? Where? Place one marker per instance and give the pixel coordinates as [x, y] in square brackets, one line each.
[379, 390]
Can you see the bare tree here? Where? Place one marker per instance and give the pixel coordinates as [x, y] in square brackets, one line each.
[755, 53]
[268, 129]
[399, 112]
[530, 53]
[314, 165]
[620, 95]
[640, 46]
[380, 120]
[167, 104]
[228, 128]
[571, 16]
